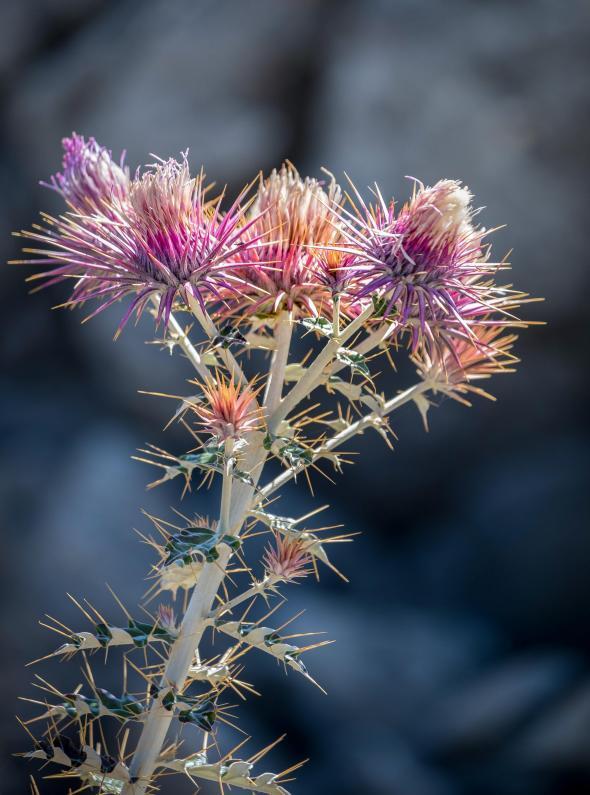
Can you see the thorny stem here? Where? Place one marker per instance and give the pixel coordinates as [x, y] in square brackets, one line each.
[180, 337]
[314, 374]
[256, 454]
[257, 589]
[336, 318]
[181, 657]
[184, 648]
[226, 488]
[276, 373]
[234, 504]
[212, 331]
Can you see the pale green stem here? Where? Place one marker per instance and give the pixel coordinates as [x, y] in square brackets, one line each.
[184, 648]
[180, 336]
[257, 589]
[276, 375]
[336, 317]
[314, 374]
[212, 331]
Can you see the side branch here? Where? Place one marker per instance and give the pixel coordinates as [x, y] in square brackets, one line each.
[368, 421]
[314, 374]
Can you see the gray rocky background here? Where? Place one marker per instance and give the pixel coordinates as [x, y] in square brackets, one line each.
[462, 662]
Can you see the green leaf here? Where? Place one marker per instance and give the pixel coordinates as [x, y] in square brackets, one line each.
[295, 455]
[141, 633]
[356, 361]
[190, 541]
[210, 458]
[203, 716]
[229, 337]
[103, 635]
[319, 324]
[124, 707]
[380, 305]
[280, 523]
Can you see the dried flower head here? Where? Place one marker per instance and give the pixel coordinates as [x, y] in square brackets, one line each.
[228, 409]
[287, 558]
[294, 219]
[168, 241]
[454, 370]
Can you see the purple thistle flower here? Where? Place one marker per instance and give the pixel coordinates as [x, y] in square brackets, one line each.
[427, 262]
[166, 239]
[90, 181]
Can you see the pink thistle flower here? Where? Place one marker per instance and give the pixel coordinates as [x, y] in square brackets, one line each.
[296, 218]
[228, 410]
[90, 180]
[427, 262]
[287, 558]
[168, 240]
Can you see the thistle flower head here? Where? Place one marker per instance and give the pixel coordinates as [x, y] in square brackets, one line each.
[453, 369]
[228, 409]
[168, 240]
[90, 180]
[295, 219]
[287, 558]
[427, 261]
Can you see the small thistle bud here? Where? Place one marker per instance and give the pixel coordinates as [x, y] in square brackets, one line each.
[287, 558]
[228, 410]
[166, 618]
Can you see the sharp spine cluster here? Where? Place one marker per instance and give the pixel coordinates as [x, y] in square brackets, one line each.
[291, 257]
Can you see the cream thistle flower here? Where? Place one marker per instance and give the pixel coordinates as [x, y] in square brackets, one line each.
[296, 219]
[228, 409]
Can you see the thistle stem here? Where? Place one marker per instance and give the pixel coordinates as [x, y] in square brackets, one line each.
[276, 374]
[184, 648]
[181, 657]
[314, 374]
[226, 488]
[255, 590]
[181, 338]
[212, 331]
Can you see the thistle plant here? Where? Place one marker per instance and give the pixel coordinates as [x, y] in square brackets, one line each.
[287, 304]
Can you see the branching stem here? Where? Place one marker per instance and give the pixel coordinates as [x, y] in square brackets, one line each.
[369, 420]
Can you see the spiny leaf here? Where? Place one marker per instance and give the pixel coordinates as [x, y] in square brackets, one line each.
[356, 361]
[319, 324]
[196, 541]
[229, 337]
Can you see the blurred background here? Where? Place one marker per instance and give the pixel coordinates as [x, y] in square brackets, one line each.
[462, 661]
